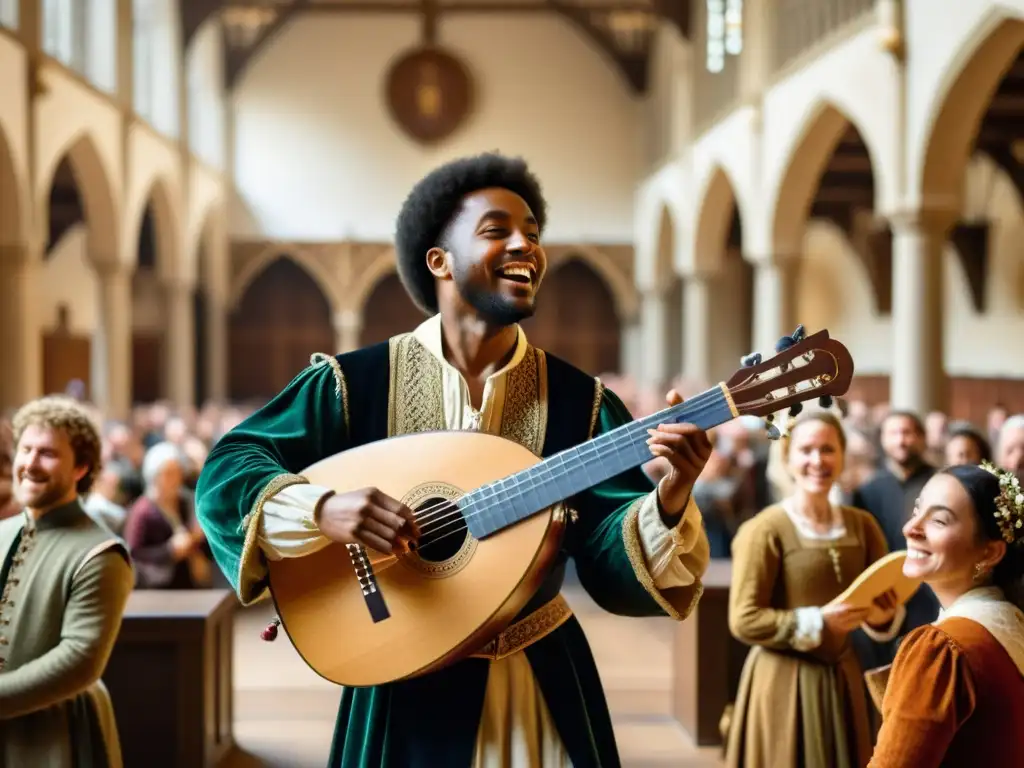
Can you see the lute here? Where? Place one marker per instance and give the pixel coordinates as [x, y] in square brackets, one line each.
[491, 523]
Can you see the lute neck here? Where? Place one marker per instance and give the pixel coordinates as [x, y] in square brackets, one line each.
[503, 503]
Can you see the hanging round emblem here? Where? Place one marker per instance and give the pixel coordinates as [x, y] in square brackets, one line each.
[429, 93]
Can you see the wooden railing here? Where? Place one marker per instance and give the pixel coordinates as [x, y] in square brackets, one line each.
[800, 24]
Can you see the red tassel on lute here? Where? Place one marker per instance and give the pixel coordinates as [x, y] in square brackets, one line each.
[269, 633]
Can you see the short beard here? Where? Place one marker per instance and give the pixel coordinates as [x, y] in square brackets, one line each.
[492, 308]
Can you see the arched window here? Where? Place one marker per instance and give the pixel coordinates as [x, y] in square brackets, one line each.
[156, 64]
[206, 94]
[82, 35]
[9, 14]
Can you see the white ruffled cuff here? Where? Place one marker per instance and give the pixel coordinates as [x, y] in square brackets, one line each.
[885, 636]
[662, 546]
[287, 526]
[809, 626]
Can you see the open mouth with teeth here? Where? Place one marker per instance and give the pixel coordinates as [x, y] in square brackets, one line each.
[917, 554]
[518, 273]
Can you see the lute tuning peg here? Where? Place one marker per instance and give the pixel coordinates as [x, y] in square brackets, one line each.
[754, 358]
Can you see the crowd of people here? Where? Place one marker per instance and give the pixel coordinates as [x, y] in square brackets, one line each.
[153, 459]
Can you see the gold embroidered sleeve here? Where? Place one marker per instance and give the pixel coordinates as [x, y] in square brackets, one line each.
[307, 421]
[607, 542]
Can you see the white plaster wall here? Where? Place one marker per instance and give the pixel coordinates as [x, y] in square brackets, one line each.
[206, 97]
[14, 129]
[154, 178]
[858, 79]
[732, 145]
[70, 279]
[64, 114]
[833, 290]
[317, 156]
[662, 192]
[942, 35]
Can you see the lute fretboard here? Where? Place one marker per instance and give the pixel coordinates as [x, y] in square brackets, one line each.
[503, 503]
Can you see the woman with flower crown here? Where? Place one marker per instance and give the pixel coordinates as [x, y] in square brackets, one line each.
[955, 692]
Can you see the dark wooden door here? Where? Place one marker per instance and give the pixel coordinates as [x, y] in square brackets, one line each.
[388, 312]
[576, 319]
[147, 366]
[282, 320]
[66, 357]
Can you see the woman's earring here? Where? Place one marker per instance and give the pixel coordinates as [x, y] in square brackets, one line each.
[979, 571]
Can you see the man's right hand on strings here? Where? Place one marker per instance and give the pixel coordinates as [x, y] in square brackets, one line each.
[369, 517]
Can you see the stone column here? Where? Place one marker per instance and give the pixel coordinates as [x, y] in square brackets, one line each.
[654, 339]
[773, 302]
[631, 349]
[179, 361]
[112, 343]
[348, 325]
[20, 328]
[216, 349]
[918, 380]
[697, 330]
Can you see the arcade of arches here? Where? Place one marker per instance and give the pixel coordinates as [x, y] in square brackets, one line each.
[292, 301]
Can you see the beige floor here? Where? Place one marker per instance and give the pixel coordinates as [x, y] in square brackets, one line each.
[284, 713]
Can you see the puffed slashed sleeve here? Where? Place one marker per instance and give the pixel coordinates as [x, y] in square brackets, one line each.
[929, 695]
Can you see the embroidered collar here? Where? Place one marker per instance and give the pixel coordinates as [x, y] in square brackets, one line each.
[989, 607]
[428, 333]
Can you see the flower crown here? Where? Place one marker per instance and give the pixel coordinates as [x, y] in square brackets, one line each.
[1009, 504]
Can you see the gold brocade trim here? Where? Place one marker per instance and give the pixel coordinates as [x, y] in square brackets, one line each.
[416, 388]
[595, 413]
[635, 553]
[252, 571]
[527, 631]
[340, 384]
[524, 414]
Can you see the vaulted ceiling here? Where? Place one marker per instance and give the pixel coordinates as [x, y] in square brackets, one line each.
[622, 29]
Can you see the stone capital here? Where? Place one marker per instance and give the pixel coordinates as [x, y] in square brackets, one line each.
[348, 319]
[934, 221]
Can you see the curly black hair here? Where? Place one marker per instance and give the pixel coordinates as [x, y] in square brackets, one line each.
[434, 201]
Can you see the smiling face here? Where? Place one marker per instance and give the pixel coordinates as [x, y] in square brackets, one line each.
[815, 458]
[45, 474]
[944, 543]
[493, 261]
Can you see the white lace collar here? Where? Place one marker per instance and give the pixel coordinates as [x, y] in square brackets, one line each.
[990, 608]
[836, 531]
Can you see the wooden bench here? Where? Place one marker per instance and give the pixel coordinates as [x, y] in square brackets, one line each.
[170, 677]
[707, 660]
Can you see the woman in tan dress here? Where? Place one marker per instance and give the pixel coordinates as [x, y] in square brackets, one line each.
[956, 689]
[801, 700]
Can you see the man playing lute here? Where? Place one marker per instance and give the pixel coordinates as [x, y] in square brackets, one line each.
[469, 253]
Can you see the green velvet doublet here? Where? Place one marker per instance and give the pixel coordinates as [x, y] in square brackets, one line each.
[396, 388]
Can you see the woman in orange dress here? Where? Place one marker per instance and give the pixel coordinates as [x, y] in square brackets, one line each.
[955, 694]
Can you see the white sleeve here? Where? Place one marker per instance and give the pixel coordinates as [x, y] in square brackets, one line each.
[809, 626]
[287, 526]
[665, 548]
